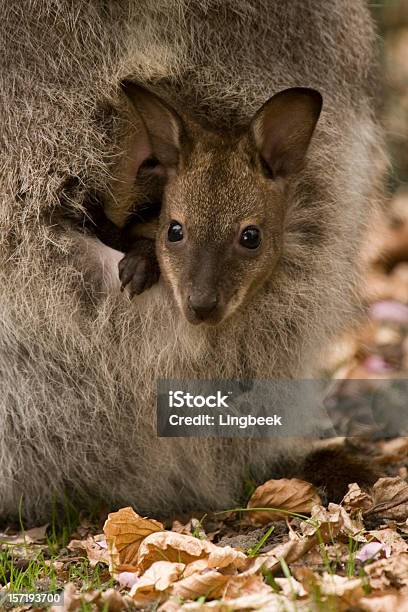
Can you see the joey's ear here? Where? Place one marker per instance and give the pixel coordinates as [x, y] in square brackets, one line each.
[283, 128]
[163, 127]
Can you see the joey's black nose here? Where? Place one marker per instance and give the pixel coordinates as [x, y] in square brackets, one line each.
[202, 305]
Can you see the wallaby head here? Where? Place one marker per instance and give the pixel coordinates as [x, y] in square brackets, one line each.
[221, 224]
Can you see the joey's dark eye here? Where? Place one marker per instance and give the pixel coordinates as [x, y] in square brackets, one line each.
[250, 237]
[175, 232]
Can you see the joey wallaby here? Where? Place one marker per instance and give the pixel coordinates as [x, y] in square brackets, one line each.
[221, 227]
[262, 207]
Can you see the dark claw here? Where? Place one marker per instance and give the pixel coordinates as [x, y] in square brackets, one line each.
[126, 267]
[139, 269]
[138, 281]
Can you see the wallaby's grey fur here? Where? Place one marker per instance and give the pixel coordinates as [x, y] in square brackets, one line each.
[78, 361]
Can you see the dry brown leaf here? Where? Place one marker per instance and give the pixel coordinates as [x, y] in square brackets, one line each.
[348, 590]
[307, 578]
[155, 582]
[210, 583]
[292, 494]
[179, 527]
[326, 524]
[195, 566]
[323, 526]
[389, 601]
[177, 547]
[289, 551]
[271, 602]
[124, 531]
[171, 605]
[253, 566]
[350, 527]
[193, 525]
[31, 536]
[127, 579]
[95, 548]
[314, 558]
[214, 584]
[223, 556]
[243, 584]
[391, 539]
[112, 601]
[386, 573]
[390, 499]
[291, 587]
[356, 499]
[170, 546]
[106, 601]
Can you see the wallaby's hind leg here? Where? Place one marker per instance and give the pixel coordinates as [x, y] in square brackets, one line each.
[139, 268]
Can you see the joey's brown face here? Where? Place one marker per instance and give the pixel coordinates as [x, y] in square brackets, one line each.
[220, 230]
[221, 222]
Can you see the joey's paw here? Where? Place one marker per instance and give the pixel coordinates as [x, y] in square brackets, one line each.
[138, 271]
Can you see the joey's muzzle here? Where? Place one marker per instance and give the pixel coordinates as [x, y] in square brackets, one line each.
[202, 295]
[201, 306]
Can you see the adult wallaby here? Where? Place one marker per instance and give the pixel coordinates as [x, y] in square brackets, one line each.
[78, 360]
